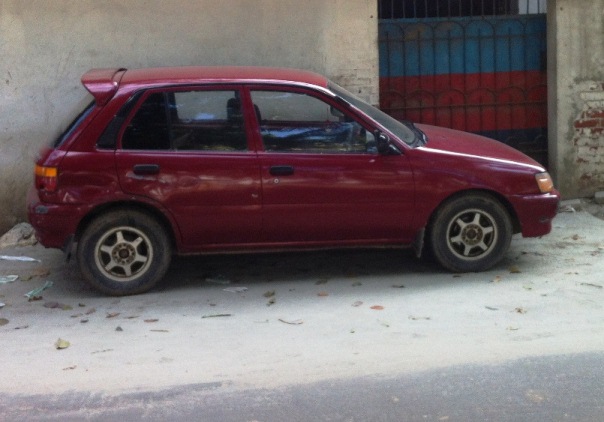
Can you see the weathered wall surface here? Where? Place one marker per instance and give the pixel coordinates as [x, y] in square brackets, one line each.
[46, 46]
[576, 95]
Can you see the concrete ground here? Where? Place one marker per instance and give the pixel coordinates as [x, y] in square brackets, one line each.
[273, 320]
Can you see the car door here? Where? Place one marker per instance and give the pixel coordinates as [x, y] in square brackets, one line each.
[187, 151]
[323, 180]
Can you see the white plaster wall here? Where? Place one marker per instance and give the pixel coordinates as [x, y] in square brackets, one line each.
[46, 45]
[576, 95]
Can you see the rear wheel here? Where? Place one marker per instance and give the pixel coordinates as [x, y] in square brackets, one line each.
[471, 233]
[124, 252]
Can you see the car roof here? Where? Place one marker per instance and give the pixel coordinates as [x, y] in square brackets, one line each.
[104, 83]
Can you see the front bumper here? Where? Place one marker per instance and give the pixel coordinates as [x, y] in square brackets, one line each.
[536, 212]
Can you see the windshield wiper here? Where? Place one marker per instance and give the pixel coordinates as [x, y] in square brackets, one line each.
[420, 136]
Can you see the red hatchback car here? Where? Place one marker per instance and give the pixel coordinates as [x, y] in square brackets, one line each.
[196, 160]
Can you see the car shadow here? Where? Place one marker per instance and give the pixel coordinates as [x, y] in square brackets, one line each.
[316, 266]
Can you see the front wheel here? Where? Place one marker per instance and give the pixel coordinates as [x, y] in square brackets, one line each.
[124, 252]
[470, 233]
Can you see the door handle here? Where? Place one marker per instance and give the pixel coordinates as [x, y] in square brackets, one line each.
[281, 170]
[145, 169]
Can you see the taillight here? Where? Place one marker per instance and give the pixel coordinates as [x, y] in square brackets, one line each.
[46, 178]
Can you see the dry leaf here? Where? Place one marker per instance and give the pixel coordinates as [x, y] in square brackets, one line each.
[294, 322]
[377, 307]
[62, 344]
[514, 270]
[322, 294]
[520, 310]
[151, 320]
[112, 314]
[215, 315]
[3, 321]
[597, 286]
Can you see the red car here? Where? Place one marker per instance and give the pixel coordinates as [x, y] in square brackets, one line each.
[195, 160]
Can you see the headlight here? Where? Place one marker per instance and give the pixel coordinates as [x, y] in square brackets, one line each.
[544, 181]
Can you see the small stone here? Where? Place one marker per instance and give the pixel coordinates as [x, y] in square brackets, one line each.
[20, 235]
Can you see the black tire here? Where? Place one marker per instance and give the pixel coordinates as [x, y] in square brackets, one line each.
[124, 252]
[470, 233]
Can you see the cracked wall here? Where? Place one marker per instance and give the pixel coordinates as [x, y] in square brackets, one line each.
[576, 96]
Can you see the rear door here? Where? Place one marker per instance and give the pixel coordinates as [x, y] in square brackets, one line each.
[187, 150]
[323, 181]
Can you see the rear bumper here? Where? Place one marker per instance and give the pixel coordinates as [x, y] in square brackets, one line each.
[536, 212]
[55, 225]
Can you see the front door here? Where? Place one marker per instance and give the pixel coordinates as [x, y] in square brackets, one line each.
[322, 178]
[187, 151]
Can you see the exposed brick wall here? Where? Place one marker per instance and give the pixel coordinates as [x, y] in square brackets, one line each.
[588, 139]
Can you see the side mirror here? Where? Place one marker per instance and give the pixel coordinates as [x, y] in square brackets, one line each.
[384, 145]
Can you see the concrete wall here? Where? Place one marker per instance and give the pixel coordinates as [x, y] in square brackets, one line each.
[46, 46]
[576, 95]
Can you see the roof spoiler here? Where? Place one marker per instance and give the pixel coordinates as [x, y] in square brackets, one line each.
[102, 83]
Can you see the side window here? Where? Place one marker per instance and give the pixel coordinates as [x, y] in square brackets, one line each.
[188, 121]
[208, 120]
[148, 129]
[295, 122]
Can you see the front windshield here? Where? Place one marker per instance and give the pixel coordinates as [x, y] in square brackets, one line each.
[399, 129]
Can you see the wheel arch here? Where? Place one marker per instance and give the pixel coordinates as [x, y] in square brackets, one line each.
[150, 210]
[516, 227]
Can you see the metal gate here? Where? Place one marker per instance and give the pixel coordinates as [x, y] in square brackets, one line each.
[484, 74]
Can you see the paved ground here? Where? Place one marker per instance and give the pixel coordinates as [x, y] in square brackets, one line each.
[304, 317]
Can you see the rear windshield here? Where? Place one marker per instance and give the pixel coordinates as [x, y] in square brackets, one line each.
[82, 109]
